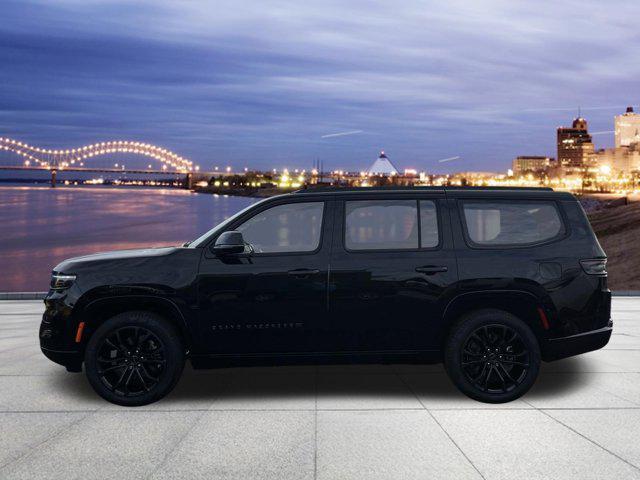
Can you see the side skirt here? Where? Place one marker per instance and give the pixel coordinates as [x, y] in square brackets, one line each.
[320, 358]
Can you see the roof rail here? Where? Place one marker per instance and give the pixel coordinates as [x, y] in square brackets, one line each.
[419, 188]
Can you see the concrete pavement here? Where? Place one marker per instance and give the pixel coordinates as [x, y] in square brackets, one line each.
[581, 420]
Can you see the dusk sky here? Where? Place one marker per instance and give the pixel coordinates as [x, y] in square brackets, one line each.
[260, 83]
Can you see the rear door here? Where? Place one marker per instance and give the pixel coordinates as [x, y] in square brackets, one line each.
[392, 266]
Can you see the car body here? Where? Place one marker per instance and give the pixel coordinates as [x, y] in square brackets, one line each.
[354, 275]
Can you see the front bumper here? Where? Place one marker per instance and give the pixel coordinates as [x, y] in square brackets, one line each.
[563, 347]
[72, 360]
[57, 332]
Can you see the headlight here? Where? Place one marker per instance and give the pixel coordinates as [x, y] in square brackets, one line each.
[61, 281]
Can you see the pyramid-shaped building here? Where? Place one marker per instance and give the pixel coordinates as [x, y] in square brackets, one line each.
[382, 166]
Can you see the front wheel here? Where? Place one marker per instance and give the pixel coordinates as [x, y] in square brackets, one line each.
[134, 358]
[492, 356]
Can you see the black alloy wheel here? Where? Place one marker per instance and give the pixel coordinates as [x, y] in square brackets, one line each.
[492, 356]
[134, 358]
[131, 361]
[495, 359]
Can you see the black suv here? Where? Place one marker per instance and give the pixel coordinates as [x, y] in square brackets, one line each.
[489, 281]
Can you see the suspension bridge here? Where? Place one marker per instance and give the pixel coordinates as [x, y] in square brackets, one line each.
[73, 160]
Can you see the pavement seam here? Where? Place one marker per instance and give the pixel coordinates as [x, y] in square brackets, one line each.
[584, 436]
[297, 410]
[440, 426]
[55, 434]
[315, 434]
[177, 444]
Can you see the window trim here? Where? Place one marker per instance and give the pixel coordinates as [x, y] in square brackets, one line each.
[564, 233]
[269, 205]
[394, 250]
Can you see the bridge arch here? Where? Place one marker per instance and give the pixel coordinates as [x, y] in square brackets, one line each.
[75, 157]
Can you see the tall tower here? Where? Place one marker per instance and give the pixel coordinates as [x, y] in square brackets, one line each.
[575, 147]
[627, 128]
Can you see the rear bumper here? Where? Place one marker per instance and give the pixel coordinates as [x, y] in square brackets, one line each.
[557, 348]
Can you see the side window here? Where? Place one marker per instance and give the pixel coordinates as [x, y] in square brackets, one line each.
[495, 223]
[429, 237]
[294, 227]
[381, 225]
[390, 225]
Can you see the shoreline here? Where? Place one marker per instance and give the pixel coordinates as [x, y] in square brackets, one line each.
[251, 192]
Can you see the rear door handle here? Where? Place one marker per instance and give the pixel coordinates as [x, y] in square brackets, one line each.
[303, 272]
[431, 269]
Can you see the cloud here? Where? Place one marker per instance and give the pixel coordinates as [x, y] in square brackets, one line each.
[261, 84]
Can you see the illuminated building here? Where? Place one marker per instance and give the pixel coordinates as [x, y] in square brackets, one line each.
[575, 147]
[627, 128]
[382, 166]
[530, 163]
[620, 160]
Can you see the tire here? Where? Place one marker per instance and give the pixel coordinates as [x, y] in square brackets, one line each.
[492, 356]
[134, 358]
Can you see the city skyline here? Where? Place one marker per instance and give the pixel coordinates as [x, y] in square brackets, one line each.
[237, 86]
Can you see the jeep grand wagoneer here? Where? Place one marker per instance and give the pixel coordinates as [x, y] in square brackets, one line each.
[489, 281]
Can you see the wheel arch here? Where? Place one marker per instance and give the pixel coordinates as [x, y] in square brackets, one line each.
[523, 304]
[99, 310]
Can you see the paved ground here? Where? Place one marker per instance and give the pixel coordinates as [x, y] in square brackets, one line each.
[581, 420]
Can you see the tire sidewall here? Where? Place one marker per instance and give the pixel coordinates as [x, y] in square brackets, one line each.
[174, 356]
[458, 337]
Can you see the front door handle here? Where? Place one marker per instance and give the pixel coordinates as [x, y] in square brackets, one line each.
[303, 272]
[431, 269]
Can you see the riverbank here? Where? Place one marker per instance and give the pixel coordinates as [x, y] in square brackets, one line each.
[618, 230]
[254, 192]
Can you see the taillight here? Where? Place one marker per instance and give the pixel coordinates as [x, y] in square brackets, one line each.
[594, 266]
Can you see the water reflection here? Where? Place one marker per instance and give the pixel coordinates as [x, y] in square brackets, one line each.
[40, 226]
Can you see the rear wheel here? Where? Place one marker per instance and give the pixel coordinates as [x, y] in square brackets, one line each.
[134, 358]
[492, 356]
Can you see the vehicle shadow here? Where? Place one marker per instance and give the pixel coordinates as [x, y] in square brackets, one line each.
[289, 383]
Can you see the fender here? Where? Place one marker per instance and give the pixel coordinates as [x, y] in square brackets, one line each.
[503, 296]
[465, 295]
[181, 320]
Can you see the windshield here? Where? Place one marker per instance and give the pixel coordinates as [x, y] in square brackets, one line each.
[202, 239]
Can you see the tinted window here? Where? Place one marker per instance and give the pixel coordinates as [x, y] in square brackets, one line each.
[294, 227]
[511, 223]
[428, 224]
[381, 225]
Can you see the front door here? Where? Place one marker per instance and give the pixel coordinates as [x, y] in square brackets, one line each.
[392, 266]
[269, 302]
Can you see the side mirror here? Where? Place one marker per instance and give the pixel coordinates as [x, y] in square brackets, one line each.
[229, 243]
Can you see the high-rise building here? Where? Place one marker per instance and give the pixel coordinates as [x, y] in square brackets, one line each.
[530, 164]
[575, 147]
[627, 128]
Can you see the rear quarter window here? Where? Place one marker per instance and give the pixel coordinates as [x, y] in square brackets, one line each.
[511, 223]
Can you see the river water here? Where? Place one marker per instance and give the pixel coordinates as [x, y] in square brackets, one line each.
[40, 226]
